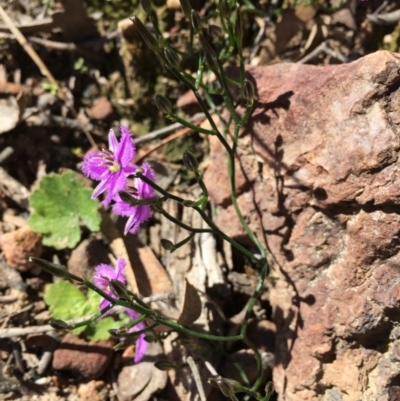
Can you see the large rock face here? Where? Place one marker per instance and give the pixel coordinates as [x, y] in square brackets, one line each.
[321, 155]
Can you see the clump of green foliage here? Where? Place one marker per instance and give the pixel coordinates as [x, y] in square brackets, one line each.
[60, 204]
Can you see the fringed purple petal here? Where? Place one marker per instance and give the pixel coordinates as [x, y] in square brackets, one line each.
[126, 149]
[119, 271]
[142, 214]
[141, 344]
[93, 166]
[120, 208]
[144, 189]
[141, 348]
[103, 185]
[103, 274]
[112, 141]
[103, 304]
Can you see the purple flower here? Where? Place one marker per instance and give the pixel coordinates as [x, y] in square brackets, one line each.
[139, 213]
[102, 276]
[111, 166]
[141, 344]
[104, 273]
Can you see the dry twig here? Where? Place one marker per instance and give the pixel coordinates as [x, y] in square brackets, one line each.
[197, 378]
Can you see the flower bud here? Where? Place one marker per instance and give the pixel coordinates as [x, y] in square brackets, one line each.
[248, 91]
[148, 38]
[55, 270]
[210, 54]
[146, 6]
[127, 198]
[225, 10]
[239, 29]
[172, 59]
[225, 387]
[119, 333]
[190, 162]
[114, 333]
[196, 22]
[119, 290]
[164, 365]
[167, 244]
[59, 325]
[186, 8]
[269, 388]
[214, 31]
[163, 104]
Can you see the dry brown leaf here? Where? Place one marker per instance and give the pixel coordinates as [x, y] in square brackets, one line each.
[191, 305]
[139, 381]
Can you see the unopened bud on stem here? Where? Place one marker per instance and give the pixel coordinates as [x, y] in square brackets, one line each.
[167, 244]
[215, 31]
[248, 91]
[56, 270]
[186, 8]
[239, 29]
[196, 22]
[224, 385]
[210, 54]
[119, 290]
[163, 104]
[269, 388]
[190, 162]
[225, 10]
[59, 325]
[146, 6]
[172, 59]
[148, 38]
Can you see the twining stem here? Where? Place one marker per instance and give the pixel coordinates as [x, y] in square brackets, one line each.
[160, 320]
[200, 71]
[204, 216]
[192, 126]
[183, 225]
[92, 319]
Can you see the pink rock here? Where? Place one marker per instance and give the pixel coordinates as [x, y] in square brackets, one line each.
[327, 197]
[82, 358]
[102, 110]
[19, 245]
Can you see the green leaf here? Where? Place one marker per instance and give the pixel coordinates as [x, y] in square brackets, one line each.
[99, 330]
[66, 302]
[59, 205]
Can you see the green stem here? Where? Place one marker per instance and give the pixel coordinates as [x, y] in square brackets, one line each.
[257, 356]
[192, 126]
[184, 241]
[254, 297]
[224, 236]
[203, 188]
[200, 71]
[183, 225]
[204, 216]
[205, 110]
[95, 317]
[186, 330]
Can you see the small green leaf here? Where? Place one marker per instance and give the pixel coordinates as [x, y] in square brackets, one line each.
[99, 330]
[66, 302]
[59, 204]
